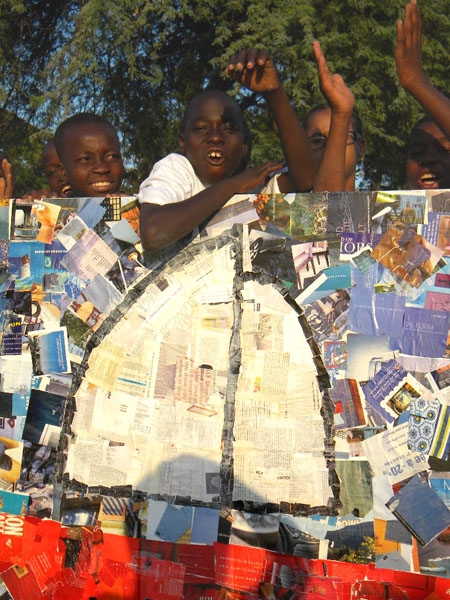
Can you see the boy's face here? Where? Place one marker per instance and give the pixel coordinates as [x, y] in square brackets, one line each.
[56, 176]
[428, 162]
[213, 140]
[318, 124]
[92, 160]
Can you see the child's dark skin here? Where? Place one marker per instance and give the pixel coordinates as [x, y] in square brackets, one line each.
[56, 176]
[408, 57]
[318, 125]
[428, 163]
[54, 170]
[428, 160]
[256, 71]
[213, 142]
[337, 162]
[6, 180]
[92, 160]
[213, 125]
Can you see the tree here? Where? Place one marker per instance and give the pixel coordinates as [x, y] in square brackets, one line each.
[139, 62]
[29, 33]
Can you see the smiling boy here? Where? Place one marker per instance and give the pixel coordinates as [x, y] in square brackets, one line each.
[185, 189]
[428, 160]
[213, 136]
[89, 149]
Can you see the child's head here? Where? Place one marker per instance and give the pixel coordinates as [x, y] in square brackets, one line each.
[214, 136]
[54, 170]
[89, 149]
[428, 159]
[317, 127]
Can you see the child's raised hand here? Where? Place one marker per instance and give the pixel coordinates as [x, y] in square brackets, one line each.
[252, 178]
[408, 54]
[339, 96]
[255, 70]
[6, 182]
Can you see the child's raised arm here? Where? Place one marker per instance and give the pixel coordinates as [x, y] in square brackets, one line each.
[330, 175]
[408, 57]
[256, 70]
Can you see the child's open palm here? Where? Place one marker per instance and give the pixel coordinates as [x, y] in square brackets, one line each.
[408, 54]
[255, 70]
[339, 96]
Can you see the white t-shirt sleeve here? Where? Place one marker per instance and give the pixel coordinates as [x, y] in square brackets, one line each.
[171, 180]
[272, 186]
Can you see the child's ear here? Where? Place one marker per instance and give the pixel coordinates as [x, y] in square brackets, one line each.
[244, 150]
[181, 143]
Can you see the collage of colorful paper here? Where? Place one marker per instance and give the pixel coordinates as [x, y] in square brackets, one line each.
[260, 411]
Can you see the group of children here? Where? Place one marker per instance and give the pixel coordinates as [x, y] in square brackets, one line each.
[185, 188]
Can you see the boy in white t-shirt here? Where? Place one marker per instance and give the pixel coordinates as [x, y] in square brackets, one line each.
[184, 189]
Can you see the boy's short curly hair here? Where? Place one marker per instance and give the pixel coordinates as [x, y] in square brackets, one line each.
[83, 118]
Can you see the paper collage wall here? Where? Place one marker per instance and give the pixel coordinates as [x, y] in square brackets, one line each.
[260, 411]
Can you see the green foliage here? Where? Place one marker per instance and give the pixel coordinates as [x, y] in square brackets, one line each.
[363, 555]
[29, 34]
[140, 61]
[23, 143]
